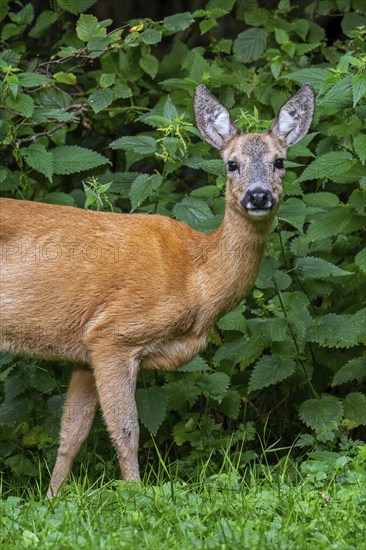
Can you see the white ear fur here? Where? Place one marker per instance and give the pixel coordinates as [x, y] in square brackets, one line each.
[293, 121]
[212, 119]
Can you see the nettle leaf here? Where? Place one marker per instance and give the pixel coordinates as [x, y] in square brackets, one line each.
[321, 199]
[317, 268]
[331, 223]
[360, 260]
[358, 87]
[355, 408]
[143, 187]
[38, 158]
[338, 97]
[45, 19]
[198, 364]
[328, 165]
[229, 351]
[152, 406]
[354, 369]
[212, 166]
[335, 331]
[192, 211]
[315, 76]
[270, 369]
[88, 27]
[230, 404]
[322, 415]
[22, 104]
[69, 159]
[214, 385]
[143, 145]
[75, 6]
[250, 45]
[359, 145]
[294, 212]
[178, 22]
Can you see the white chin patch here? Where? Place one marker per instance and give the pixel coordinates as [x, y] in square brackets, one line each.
[256, 213]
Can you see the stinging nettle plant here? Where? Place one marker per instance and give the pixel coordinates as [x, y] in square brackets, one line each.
[298, 339]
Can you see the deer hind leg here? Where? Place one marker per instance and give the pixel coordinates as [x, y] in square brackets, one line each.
[77, 419]
[116, 383]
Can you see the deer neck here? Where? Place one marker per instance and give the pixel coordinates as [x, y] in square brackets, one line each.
[230, 261]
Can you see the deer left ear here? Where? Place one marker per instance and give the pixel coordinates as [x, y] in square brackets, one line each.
[293, 121]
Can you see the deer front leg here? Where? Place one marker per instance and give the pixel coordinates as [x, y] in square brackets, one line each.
[116, 382]
[77, 419]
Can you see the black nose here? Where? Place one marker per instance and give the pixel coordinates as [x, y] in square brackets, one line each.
[259, 198]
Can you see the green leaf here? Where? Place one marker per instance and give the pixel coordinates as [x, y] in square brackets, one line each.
[355, 408]
[121, 91]
[192, 211]
[151, 36]
[75, 6]
[335, 331]
[107, 79]
[143, 145]
[354, 369]
[321, 199]
[152, 406]
[88, 27]
[149, 64]
[250, 45]
[215, 384]
[38, 158]
[69, 159]
[22, 104]
[45, 20]
[170, 111]
[328, 165]
[270, 369]
[143, 187]
[294, 212]
[178, 22]
[59, 198]
[317, 268]
[338, 97]
[101, 99]
[31, 80]
[65, 78]
[359, 145]
[230, 404]
[358, 87]
[314, 75]
[360, 260]
[198, 364]
[331, 223]
[350, 21]
[213, 166]
[322, 415]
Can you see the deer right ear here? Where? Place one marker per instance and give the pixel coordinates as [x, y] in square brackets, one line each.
[212, 118]
[293, 121]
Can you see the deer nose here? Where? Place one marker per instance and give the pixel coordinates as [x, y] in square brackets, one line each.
[257, 198]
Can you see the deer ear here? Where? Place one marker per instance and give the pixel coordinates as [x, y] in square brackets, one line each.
[212, 118]
[293, 121]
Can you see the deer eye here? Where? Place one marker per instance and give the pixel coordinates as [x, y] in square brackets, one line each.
[232, 166]
[279, 163]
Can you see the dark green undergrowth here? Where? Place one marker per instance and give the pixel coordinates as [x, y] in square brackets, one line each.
[321, 504]
[95, 116]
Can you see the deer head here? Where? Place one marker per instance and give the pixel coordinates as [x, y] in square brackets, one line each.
[255, 162]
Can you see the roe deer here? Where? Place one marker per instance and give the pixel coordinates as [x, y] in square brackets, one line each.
[122, 291]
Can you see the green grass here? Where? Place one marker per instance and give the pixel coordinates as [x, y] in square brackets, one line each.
[320, 505]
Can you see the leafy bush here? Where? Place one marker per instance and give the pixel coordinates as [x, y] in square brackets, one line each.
[100, 117]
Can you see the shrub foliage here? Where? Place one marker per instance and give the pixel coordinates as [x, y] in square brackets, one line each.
[100, 117]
